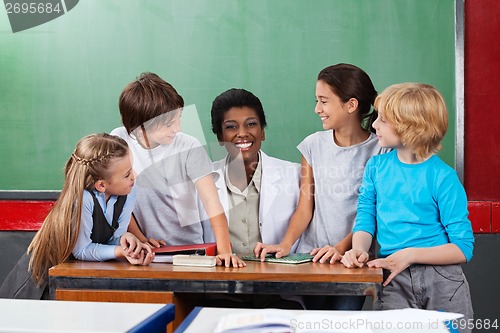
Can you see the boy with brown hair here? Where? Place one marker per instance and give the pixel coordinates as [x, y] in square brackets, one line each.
[172, 168]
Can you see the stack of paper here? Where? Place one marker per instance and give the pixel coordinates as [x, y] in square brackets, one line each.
[283, 321]
[256, 321]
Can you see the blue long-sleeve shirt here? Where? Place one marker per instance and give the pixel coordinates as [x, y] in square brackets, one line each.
[85, 249]
[413, 205]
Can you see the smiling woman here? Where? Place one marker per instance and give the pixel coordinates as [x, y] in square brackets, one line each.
[242, 134]
[259, 193]
[249, 181]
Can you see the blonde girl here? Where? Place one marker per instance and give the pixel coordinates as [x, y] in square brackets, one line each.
[89, 220]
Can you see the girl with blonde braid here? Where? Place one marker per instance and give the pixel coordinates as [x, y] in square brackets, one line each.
[89, 220]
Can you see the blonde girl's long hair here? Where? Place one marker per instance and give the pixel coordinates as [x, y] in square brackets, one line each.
[57, 237]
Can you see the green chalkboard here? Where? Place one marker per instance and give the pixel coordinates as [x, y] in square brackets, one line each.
[61, 80]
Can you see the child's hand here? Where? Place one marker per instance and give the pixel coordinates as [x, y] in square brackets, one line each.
[354, 258]
[134, 251]
[261, 250]
[326, 253]
[228, 259]
[144, 258]
[395, 263]
[131, 245]
[153, 243]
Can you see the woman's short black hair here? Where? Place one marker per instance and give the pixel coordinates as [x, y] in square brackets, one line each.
[235, 98]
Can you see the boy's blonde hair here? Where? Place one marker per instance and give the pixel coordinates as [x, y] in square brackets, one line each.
[418, 115]
[57, 237]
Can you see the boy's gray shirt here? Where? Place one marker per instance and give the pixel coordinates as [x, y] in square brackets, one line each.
[167, 201]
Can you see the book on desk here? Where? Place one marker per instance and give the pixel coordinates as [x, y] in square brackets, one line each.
[292, 258]
[166, 254]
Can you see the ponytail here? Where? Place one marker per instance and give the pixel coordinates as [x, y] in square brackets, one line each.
[368, 120]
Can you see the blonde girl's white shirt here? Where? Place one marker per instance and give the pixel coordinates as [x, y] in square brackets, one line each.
[167, 205]
[85, 249]
[338, 173]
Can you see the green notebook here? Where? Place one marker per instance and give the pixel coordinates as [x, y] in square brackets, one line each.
[294, 258]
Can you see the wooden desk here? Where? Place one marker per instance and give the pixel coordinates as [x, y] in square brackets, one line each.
[17, 315]
[120, 281]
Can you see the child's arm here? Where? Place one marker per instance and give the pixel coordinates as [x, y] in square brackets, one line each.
[398, 261]
[358, 255]
[365, 225]
[210, 199]
[87, 250]
[453, 214]
[345, 244]
[134, 229]
[332, 253]
[299, 220]
[84, 248]
[132, 249]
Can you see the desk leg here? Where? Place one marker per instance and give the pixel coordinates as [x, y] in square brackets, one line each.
[184, 304]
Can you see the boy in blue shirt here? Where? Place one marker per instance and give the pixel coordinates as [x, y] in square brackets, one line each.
[417, 207]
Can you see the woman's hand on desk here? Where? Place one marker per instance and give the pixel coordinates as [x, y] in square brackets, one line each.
[228, 259]
[326, 253]
[261, 250]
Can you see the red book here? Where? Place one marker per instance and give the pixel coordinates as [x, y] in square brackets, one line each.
[207, 249]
